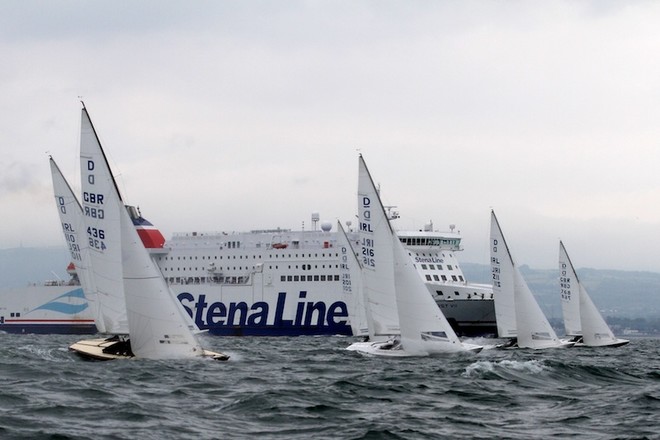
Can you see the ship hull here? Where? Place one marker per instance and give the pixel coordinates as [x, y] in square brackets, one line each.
[470, 317]
[43, 309]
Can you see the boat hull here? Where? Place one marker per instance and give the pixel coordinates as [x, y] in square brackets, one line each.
[103, 349]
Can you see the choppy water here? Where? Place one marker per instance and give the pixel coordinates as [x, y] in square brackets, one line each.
[302, 388]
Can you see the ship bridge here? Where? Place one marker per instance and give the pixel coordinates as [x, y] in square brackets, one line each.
[430, 240]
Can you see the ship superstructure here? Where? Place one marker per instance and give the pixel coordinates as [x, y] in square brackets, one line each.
[284, 282]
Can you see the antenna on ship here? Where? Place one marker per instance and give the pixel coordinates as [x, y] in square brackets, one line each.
[315, 220]
[391, 214]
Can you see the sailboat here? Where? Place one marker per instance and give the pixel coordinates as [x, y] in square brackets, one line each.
[135, 303]
[582, 320]
[519, 317]
[403, 318]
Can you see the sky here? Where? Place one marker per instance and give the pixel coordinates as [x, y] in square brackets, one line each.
[240, 115]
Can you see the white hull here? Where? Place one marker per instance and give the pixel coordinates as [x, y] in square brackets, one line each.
[101, 350]
[387, 348]
[40, 309]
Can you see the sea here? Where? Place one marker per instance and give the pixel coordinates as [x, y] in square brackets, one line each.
[312, 388]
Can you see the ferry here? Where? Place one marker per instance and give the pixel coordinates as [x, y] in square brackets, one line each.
[269, 282]
[55, 306]
[282, 282]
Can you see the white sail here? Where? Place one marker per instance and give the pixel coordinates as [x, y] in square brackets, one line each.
[102, 206]
[71, 219]
[534, 330]
[595, 331]
[528, 323]
[351, 280]
[377, 258]
[570, 294]
[424, 328]
[158, 329]
[502, 269]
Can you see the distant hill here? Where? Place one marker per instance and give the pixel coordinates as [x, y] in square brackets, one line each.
[22, 266]
[616, 293]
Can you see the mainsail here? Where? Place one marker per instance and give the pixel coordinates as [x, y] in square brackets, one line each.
[570, 294]
[351, 281]
[102, 206]
[502, 268]
[377, 257]
[71, 219]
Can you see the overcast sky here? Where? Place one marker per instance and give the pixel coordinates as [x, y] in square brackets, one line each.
[226, 116]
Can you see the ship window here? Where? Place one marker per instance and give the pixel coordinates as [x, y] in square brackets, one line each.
[296, 278]
[310, 278]
[322, 277]
[432, 266]
[449, 267]
[436, 278]
[316, 277]
[439, 292]
[289, 278]
[460, 277]
[456, 293]
[336, 277]
[424, 266]
[283, 278]
[428, 277]
[439, 266]
[444, 278]
[453, 278]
